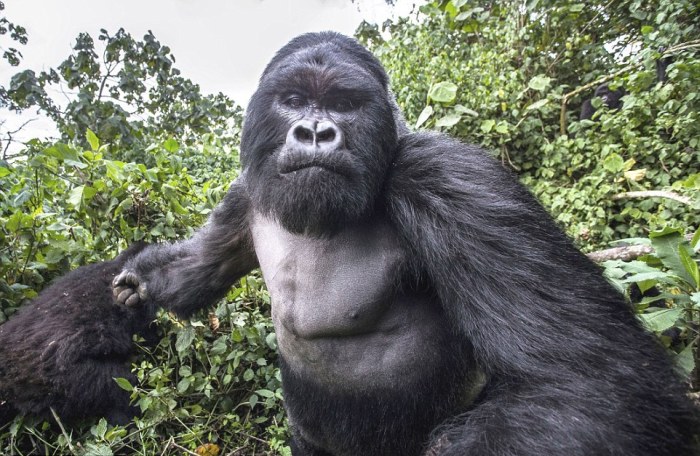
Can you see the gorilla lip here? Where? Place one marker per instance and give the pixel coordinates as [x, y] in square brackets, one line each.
[339, 162]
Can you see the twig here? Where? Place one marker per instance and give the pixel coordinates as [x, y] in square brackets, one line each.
[171, 440]
[255, 438]
[63, 430]
[9, 137]
[181, 448]
[626, 253]
[654, 194]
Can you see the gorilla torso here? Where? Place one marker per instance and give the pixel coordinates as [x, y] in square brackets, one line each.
[353, 325]
[318, 325]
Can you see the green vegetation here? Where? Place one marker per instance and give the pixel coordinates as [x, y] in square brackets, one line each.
[144, 154]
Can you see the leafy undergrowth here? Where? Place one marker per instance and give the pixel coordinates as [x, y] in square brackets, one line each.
[209, 385]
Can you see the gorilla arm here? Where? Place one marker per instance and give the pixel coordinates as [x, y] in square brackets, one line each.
[540, 316]
[190, 275]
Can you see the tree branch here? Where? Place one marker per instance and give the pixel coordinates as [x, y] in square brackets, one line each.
[654, 194]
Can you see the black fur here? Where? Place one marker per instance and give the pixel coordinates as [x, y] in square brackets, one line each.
[64, 349]
[612, 99]
[516, 343]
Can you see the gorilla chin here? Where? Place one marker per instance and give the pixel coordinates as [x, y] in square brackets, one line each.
[318, 200]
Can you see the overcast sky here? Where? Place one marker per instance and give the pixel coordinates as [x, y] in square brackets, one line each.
[221, 45]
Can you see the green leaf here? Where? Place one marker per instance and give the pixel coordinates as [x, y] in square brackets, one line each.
[185, 337]
[94, 449]
[75, 196]
[219, 346]
[92, 139]
[448, 120]
[124, 384]
[487, 125]
[248, 375]
[695, 241]
[99, 429]
[4, 171]
[424, 115]
[538, 104]
[464, 110]
[183, 385]
[265, 393]
[171, 145]
[685, 359]
[443, 92]
[690, 266]
[668, 243]
[613, 163]
[539, 83]
[662, 319]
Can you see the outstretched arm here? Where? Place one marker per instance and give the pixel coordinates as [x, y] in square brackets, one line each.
[570, 369]
[189, 275]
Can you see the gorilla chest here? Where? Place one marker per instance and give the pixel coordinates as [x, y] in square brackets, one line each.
[326, 287]
[340, 317]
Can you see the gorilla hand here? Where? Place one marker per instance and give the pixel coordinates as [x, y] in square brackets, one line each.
[129, 289]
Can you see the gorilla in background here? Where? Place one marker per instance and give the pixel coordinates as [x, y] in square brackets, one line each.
[612, 99]
[64, 349]
[424, 302]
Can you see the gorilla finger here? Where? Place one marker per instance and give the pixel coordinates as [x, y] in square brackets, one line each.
[125, 295]
[133, 300]
[126, 278]
[142, 292]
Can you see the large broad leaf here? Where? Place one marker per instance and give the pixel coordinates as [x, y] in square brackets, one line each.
[443, 92]
[662, 319]
[448, 120]
[539, 83]
[668, 243]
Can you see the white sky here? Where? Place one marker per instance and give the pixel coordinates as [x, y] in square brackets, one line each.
[221, 45]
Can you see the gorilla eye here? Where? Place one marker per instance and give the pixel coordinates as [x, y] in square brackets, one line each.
[294, 102]
[342, 105]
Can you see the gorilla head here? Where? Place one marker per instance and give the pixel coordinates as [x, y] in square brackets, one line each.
[319, 135]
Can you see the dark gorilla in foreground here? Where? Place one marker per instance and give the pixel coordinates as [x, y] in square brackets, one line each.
[424, 302]
[64, 349]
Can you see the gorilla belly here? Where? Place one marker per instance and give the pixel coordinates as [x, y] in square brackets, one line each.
[339, 314]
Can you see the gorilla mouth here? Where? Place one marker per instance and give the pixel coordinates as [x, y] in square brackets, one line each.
[338, 161]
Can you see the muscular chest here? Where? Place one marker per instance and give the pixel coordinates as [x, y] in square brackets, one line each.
[335, 286]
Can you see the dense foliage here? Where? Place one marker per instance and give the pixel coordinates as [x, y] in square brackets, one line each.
[145, 155]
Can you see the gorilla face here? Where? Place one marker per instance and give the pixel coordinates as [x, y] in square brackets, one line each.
[319, 136]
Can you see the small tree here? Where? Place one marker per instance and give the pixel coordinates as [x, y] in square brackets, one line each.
[127, 93]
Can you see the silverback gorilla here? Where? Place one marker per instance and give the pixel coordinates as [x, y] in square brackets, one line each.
[64, 349]
[424, 302]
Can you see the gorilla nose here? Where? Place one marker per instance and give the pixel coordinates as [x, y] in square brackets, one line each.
[311, 134]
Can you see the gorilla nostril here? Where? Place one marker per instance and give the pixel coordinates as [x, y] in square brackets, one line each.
[327, 135]
[303, 135]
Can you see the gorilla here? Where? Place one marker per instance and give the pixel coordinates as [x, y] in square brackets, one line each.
[64, 349]
[423, 301]
[612, 99]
